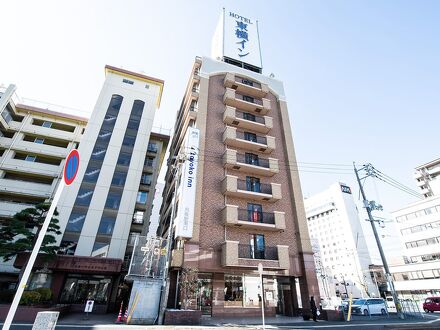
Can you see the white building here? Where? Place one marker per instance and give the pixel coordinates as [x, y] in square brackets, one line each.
[419, 227]
[34, 143]
[428, 179]
[341, 252]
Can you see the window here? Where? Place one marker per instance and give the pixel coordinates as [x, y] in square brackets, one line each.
[138, 217]
[30, 158]
[248, 99]
[133, 124]
[149, 161]
[255, 212]
[47, 124]
[104, 135]
[113, 200]
[6, 115]
[76, 221]
[106, 225]
[130, 82]
[250, 136]
[152, 147]
[247, 82]
[248, 116]
[142, 197]
[39, 140]
[251, 158]
[132, 238]
[124, 158]
[233, 291]
[252, 184]
[84, 196]
[119, 178]
[257, 246]
[146, 179]
[92, 173]
[129, 141]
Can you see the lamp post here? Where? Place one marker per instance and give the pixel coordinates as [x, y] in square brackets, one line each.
[260, 271]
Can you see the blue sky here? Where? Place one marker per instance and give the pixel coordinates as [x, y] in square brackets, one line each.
[361, 77]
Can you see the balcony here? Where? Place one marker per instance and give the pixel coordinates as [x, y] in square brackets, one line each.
[246, 103]
[235, 254]
[248, 141]
[268, 192]
[243, 163]
[245, 86]
[269, 221]
[234, 117]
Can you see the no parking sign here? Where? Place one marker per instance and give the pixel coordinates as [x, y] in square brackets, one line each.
[71, 167]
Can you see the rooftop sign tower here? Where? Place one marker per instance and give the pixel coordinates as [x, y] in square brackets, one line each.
[237, 41]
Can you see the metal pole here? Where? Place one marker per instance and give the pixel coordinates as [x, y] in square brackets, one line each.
[260, 270]
[379, 245]
[32, 258]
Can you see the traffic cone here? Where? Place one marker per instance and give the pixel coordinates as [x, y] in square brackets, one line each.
[125, 315]
[119, 319]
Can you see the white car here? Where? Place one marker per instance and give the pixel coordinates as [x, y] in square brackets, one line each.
[369, 306]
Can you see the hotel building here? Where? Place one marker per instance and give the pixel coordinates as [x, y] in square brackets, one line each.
[234, 190]
[341, 251]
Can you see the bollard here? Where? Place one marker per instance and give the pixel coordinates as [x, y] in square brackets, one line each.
[46, 321]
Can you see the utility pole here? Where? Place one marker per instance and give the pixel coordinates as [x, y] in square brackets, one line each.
[369, 206]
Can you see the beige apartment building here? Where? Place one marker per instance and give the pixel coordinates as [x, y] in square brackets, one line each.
[34, 143]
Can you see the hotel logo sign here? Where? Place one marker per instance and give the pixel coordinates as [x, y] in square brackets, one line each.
[237, 38]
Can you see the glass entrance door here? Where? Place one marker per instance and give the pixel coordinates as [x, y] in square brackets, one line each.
[204, 297]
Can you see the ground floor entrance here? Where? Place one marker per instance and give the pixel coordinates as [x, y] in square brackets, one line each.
[240, 294]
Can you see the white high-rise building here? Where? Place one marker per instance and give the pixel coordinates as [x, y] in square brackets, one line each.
[342, 257]
[419, 227]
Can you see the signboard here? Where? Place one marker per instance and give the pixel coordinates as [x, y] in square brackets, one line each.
[89, 306]
[149, 256]
[71, 167]
[345, 189]
[237, 37]
[187, 191]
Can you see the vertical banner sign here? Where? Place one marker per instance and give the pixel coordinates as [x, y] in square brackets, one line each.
[187, 190]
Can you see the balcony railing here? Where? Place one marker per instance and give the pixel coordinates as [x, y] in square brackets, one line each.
[261, 162]
[248, 99]
[257, 138]
[251, 252]
[248, 82]
[256, 216]
[263, 188]
[250, 117]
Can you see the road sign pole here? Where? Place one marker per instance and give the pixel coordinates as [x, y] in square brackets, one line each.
[69, 173]
[32, 258]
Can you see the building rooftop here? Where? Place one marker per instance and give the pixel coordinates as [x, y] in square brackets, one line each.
[30, 108]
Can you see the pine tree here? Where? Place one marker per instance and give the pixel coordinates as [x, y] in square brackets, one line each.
[20, 233]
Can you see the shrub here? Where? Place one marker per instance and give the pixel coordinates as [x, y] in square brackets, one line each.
[30, 298]
[45, 293]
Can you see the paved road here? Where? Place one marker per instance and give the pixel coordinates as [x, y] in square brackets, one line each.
[359, 323]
